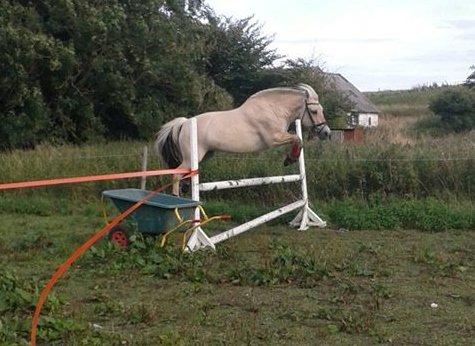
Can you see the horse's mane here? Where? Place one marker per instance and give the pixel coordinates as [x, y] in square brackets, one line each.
[284, 90]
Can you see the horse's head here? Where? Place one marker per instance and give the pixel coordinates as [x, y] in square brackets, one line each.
[313, 113]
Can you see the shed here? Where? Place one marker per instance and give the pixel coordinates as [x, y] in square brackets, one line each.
[364, 112]
[356, 134]
[353, 134]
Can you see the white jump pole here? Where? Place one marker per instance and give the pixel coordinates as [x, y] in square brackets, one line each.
[199, 237]
[305, 218]
[256, 222]
[232, 184]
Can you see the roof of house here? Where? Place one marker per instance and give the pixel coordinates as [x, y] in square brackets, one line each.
[361, 103]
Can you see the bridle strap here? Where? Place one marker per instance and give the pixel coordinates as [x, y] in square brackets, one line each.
[310, 116]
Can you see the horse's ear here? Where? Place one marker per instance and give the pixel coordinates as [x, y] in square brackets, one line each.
[307, 94]
[303, 87]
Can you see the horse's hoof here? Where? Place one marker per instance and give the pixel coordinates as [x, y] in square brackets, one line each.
[184, 187]
[288, 161]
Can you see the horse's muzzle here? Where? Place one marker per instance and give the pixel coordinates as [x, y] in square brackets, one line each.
[322, 131]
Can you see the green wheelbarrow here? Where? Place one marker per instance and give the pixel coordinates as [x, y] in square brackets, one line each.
[162, 214]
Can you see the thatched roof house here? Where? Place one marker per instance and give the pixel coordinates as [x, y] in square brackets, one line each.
[365, 111]
[361, 102]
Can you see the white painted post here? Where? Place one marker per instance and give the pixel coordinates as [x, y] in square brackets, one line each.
[143, 180]
[198, 239]
[306, 217]
[195, 179]
[303, 175]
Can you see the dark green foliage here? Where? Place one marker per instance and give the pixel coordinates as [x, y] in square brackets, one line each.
[426, 214]
[18, 297]
[76, 70]
[287, 266]
[455, 108]
[239, 57]
[308, 72]
[415, 96]
[144, 253]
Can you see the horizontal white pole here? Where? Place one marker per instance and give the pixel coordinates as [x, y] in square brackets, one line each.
[257, 221]
[231, 184]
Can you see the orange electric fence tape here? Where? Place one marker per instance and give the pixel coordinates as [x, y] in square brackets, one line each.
[80, 250]
[75, 180]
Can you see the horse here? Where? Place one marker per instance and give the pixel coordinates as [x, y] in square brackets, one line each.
[260, 123]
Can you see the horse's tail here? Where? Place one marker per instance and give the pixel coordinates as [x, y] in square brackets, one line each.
[166, 143]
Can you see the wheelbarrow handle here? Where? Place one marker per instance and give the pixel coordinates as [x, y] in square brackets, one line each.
[212, 218]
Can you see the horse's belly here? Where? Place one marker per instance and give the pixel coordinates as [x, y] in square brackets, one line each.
[231, 132]
[237, 143]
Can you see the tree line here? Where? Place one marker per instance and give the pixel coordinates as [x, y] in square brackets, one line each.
[73, 71]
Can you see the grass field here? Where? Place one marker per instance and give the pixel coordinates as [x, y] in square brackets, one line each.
[272, 285]
[401, 215]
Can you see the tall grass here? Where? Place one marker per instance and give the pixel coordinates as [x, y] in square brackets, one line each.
[391, 162]
[414, 96]
[396, 178]
[406, 103]
[404, 109]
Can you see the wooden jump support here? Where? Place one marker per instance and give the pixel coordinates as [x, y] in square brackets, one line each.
[305, 218]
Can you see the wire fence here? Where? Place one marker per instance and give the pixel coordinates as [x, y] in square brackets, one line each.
[247, 157]
[238, 157]
[359, 159]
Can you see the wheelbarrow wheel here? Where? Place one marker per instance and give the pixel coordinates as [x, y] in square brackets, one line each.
[118, 237]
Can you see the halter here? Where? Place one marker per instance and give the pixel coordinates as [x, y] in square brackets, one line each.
[318, 126]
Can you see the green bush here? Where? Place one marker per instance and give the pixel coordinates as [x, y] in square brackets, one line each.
[74, 70]
[425, 214]
[78, 70]
[456, 108]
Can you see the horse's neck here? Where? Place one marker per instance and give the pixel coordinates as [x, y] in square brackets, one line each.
[288, 105]
[294, 110]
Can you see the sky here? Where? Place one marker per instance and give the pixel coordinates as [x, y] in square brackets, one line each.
[377, 45]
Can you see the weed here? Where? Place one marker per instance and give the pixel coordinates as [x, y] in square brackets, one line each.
[451, 265]
[140, 313]
[17, 301]
[427, 214]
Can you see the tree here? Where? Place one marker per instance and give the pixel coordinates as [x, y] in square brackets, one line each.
[76, 70]
[73, 70]
[309, 72]
[239, 55]
[456, 108]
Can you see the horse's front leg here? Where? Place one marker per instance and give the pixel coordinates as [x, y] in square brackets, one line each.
[284, 138]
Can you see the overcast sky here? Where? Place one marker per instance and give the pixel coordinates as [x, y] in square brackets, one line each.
[376, 44]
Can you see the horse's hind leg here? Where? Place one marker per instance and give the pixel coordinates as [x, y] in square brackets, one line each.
[180, 187]
[176, 184]
[183, 186]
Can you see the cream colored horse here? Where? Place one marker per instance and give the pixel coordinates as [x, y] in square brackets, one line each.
[261, 122]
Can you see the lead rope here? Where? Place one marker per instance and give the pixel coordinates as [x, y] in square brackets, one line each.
[83, 248]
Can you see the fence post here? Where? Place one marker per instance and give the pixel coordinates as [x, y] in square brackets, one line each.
[143, 181]
[195, 180]
[199, 238]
